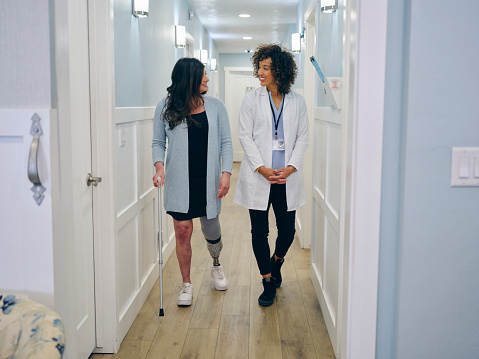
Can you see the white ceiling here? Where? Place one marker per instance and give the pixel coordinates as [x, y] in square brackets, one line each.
[268, 23]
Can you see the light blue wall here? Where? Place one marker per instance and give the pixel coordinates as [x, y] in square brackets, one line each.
[286, 42]
[433, 277]
[231, 60]
[27, 54]
[145, 52]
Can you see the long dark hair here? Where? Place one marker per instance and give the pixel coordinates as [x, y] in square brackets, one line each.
[283, 67]
[184, 93]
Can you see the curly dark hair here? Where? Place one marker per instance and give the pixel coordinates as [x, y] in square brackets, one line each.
[283, 66]
[184, 93]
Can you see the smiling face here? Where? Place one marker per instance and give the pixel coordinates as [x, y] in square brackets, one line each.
[265, 74]
[204, 83]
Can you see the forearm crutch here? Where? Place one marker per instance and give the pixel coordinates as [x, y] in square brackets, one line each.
[160, 250]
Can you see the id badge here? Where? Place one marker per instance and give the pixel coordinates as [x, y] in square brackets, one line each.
[278, 145]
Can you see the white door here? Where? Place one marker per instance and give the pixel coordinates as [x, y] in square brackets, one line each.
[75, 156]
[238, 82]
[82, 192]
[327, 202]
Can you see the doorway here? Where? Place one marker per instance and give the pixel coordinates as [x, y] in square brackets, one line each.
[238, 82]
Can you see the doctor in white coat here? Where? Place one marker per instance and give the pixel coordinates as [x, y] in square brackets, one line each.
[273, 131]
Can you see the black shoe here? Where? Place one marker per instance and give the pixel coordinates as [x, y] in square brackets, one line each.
[276, 270]
[267, 298]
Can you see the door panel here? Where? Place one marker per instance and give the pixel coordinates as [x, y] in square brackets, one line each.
[326, 258]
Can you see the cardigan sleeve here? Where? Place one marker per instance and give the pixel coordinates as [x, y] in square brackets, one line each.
[159, 135]
[226, 145]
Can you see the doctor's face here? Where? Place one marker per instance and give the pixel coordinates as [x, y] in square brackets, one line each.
[265, 74]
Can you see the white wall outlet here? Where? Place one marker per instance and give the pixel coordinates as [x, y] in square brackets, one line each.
[465, 167]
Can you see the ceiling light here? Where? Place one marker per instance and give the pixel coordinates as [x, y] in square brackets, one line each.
[247, 38]
[140, 8]
[244, 15]
[329, 6]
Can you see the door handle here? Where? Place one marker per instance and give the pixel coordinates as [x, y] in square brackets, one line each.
[37, 189]
[90, 180]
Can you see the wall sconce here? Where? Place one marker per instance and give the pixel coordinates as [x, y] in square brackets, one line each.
[329, 6]
[204, 56]
[141, 8]
[213, 64]
[180, 36]
[296, 42]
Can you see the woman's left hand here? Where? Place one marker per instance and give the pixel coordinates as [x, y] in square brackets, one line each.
[281, 174]
[224, 185]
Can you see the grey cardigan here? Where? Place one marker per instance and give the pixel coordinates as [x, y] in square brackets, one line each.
[219, 159]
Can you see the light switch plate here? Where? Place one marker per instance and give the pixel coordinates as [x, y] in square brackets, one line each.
[463, 167]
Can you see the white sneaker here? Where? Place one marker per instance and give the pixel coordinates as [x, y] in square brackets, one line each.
[186, 294]
[219, 276]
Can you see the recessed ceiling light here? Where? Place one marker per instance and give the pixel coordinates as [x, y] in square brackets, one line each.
[247, 38]
[244, 15]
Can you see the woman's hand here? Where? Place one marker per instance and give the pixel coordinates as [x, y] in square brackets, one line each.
[266, 173]
[160, 173]
[224, 185]
[277, 176]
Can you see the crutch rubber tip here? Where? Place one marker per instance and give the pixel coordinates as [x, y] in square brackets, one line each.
[161, 313]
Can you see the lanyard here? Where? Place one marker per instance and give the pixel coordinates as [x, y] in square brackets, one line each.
[276, 122]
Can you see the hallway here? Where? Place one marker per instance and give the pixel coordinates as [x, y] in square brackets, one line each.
[231, 324]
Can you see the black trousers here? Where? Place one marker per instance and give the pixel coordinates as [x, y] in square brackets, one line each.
[260, 228]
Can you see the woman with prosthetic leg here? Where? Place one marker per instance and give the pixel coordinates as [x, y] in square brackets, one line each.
[197, 168]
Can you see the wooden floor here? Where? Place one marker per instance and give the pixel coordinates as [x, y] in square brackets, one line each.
[231, 324]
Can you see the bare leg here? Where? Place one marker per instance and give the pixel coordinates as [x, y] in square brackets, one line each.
[183, 231]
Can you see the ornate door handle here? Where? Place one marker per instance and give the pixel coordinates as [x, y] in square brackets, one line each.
[37, 189]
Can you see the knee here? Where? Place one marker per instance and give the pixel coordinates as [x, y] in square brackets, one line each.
[211, 228]
[287, 232]
[183, 232]
[260, 231]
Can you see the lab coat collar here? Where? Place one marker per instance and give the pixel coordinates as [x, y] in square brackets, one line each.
[264, 92]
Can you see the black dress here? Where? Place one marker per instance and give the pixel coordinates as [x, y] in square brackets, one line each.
[197, 159]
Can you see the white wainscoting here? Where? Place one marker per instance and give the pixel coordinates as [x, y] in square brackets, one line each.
[136, 208]
[326, 260]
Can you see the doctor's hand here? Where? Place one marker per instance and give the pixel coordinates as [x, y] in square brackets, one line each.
[224, 185]
[266, 173]
[281, 174]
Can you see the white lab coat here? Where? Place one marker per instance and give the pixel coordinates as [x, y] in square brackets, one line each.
[255, 135]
